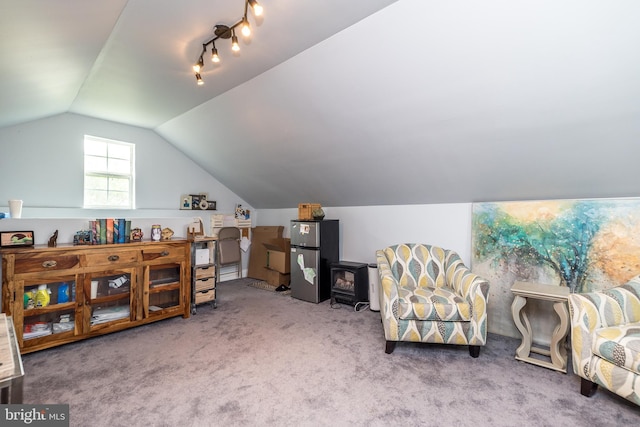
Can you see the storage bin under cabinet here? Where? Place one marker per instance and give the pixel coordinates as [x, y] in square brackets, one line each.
[204, 274]
[68, 293]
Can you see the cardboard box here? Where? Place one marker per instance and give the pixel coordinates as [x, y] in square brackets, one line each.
[305, 210]
[279, 255]
[275, 278]
[258, 253]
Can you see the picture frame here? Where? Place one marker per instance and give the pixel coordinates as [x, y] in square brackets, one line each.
[16, 238]
[211, 205]
[185, 202]
[199, 202]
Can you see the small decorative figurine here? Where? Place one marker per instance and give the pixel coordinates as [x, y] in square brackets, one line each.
[167, 233]
[156, 232]
[136, 234]
[317, 214]
[53, 240]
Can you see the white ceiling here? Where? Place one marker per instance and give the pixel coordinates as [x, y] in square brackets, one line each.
[359, 102]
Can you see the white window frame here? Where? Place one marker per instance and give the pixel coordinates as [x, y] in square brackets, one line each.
[130, 174]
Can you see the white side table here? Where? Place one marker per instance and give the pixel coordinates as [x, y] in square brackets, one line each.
[557, 351]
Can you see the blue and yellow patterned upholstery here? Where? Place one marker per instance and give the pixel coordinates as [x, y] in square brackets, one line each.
[605, 339]
[429, 295]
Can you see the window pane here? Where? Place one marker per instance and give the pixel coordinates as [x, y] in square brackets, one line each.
[119, 151]
[119, 166]
[92, 182]
[119, 184]
[119, 199]
[96, 198]
[95, 148]
[95, 164]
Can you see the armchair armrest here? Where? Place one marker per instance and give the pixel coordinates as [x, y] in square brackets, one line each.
[388, 297]
[388, 282]
[594, 310]
[466, 283]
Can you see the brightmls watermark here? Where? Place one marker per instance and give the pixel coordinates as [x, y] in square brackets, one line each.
[34, 415]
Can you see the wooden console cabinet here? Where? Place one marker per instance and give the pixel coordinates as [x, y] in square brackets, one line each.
[69, 293]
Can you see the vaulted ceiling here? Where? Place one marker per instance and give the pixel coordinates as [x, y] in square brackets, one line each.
[360, 102]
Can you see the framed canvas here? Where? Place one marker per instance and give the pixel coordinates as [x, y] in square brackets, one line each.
[582, 244]
[16, 238]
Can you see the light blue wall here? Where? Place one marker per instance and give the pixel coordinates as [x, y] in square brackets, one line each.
[41, 163]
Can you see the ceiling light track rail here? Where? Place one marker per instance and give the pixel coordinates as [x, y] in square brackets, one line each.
[226, 32]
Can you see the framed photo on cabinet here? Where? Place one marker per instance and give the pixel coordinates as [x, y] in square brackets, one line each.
[16, 238]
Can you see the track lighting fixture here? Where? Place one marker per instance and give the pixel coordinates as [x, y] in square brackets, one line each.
[226, 32]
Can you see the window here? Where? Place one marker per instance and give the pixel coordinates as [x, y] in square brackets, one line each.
[108, 173]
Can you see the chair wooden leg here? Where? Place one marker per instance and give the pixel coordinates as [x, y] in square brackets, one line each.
[391, 345]
[587, 388]
[474, 350]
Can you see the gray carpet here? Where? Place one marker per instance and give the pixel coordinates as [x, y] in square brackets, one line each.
[265, 286]
[264, 359]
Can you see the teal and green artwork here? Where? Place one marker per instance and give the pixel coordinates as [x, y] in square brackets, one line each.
[583, 244]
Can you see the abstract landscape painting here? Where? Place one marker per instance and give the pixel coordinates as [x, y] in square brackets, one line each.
[583, 244]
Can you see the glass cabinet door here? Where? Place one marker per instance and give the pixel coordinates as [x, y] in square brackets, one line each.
[109, 297]
[48, 309]
[162, 293]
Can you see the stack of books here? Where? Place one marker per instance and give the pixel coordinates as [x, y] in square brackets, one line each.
[108, 314]
[109, 230]
[37, 329]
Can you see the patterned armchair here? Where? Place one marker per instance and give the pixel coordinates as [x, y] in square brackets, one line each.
[429, 295]
[605, 340]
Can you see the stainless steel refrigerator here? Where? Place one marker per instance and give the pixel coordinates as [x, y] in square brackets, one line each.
[314, 246]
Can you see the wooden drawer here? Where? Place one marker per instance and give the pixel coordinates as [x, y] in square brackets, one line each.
[34, 263]
[205, 296]
[114, 257]
[205, 284]
[163, 253]
[204, 272]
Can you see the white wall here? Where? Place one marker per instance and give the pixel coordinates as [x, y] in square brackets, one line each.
[41, 163]
[365, 229]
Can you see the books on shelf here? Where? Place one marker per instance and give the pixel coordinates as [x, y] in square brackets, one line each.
[108, 314]
[109, 231]
[38, 329]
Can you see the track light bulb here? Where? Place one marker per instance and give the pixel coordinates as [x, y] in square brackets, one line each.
[234, 43]
[199, 79]
[214, 55]
[246, 28]
[257, 9]
[198, 65]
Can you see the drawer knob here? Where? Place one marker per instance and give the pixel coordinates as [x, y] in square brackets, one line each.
[49, 264]
[113, 257]
[164, 253]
